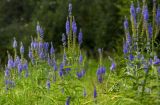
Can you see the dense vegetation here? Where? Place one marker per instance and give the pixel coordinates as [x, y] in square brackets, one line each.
[128, 76]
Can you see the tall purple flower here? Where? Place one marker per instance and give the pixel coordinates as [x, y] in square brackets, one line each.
[74, 26]
[46, 45]
[150, 31]
[129, 39]
[61, 70]
[52, 49]
[22, 48]
[131, 57]
[80, 59]
[14, 43]
[125, 47]
[67, 26]
[113, 66]
[138, 9]
[30, 54]
[70, 9]
[7, 72]
[10, 64]
[17, 61]
[40, 31]
[80, 36]
[95, 92]
[133, 13]
[158, 16]
[145, 13]
[64, 39]
[126, 24]
[48, 85]
[20, 68]
[68, 101]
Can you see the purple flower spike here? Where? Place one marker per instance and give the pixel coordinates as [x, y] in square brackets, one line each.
[133, 12]
[80, 36]
[158, 16]
[150, 31]
[48, 85]
[80, 59]
[70, 9]
[126, 24]
[52, 49]
[68, 101]
[20, 68]
[74, 26]
[95, 92]
[67, 27]
[40, 31]
[138, 9]
[22, 48]
[7, 72]
[131, 57]
[14, 43]
[113, 66]
[145, 13]
[64, 39]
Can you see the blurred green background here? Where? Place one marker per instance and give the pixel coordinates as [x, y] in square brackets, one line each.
[101, 22]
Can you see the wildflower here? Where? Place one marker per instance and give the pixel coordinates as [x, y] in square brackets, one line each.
[64, 58]
[100, 78]
[52, 49]
[67, 27]
[74, 26]
[20, 67]
[10, 63]
[68, 101]
[46, 45]
[145, 67]
[17, 60]
[133, 13]
[40, 31]
[14, 43]
[40, 45]
[61, 70]
[80, 59]
[70, 9]
[138, 9]
[22, 48]
[41, 55]
[64, 39]
[30, 54]
[35, 45]
[55, 66]
[113, 66]
[129, 39]
[79, 75]
[150, 31]
[158, 16]
[25, 65]
[131, 57]
[95, 92]
[48, 85]
[126, 24]
[7, 72]
[145, 13]
[80, 37]
[125, 48]
[156, 61]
